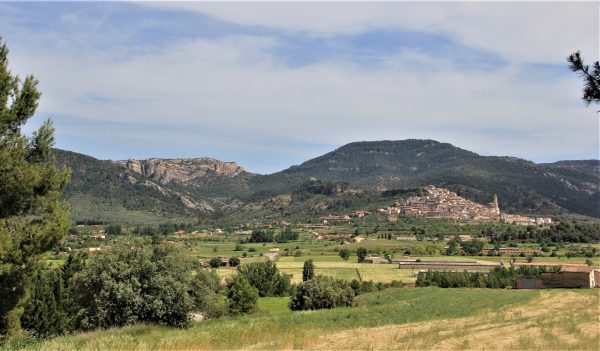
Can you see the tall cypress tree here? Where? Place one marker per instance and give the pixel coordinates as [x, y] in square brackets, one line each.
[308, 271]
[32, 218]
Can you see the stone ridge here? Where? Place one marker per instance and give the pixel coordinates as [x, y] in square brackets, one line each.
[182, 170]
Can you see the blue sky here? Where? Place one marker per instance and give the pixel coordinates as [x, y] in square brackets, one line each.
[269, 85]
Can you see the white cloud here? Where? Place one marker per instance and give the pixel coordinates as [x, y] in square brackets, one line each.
[544, 32]
[235, 83]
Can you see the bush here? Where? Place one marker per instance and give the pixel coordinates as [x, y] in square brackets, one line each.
[266, 278]
[242, 296]
[322, 292]
[113, 229]
[125, 285]
[215, 262]
[234, 261]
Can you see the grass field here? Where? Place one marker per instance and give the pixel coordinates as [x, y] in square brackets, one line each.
[423, 318]
[273, 304]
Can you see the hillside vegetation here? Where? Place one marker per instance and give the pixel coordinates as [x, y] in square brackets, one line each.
[359, 175]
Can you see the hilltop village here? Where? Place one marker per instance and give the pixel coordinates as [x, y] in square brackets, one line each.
[442, 203]
[445, 204]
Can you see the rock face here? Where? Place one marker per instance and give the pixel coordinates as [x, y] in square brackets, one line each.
[182, 170]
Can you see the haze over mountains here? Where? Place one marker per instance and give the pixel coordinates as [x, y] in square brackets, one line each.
[184, 189]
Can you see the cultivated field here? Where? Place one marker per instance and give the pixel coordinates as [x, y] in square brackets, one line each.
[422, 318]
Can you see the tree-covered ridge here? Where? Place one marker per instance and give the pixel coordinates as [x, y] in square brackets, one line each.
[521, 185]
[104, 191]
[357, 176]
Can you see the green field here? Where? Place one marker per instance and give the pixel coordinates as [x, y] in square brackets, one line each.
[276, 328]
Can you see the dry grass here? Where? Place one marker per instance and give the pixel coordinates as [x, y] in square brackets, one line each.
[559, 320]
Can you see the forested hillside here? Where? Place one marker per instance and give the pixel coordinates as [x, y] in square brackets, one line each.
[521, 185]
[193, 189]
[104, 191]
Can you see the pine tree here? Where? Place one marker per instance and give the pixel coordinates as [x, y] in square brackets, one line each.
[32, 218]
[591, 89]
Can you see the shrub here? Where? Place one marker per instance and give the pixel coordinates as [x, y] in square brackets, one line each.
[234, 261]
[126, 285]
[242, 296]
[215, 262]
[322, 292]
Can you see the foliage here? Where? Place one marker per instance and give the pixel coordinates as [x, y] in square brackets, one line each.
[215, 262]
[125, 285]
[591, 89]
[362, 253]
[344, 254]
[234, 261]
[113, 229]
[44, 313]
[208, 294]
[242, 295]
[287, 235]
[499, 277]
[32, 218]
[322, 292]
[562, 232]
[261, 236]
[266, 278]
[308, 271]
[472, 247]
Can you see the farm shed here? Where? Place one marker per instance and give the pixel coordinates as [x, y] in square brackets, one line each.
[446, 265]
[569, 276]
[568, 279]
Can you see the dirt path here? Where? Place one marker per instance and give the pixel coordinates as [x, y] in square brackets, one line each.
[558, 320]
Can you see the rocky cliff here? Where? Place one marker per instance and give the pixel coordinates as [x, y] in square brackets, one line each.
[182, 170]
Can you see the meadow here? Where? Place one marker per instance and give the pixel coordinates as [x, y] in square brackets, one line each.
[395, 318]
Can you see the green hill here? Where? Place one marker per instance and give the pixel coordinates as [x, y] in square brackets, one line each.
[521, 185]
[190, 189]
[104, 191]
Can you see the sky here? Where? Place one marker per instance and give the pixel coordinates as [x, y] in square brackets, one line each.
[269, 85]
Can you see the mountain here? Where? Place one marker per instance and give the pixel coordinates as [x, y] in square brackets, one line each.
[591, 167]
[199, 177]
[160, 190]
[521, 185]
[105, 191]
